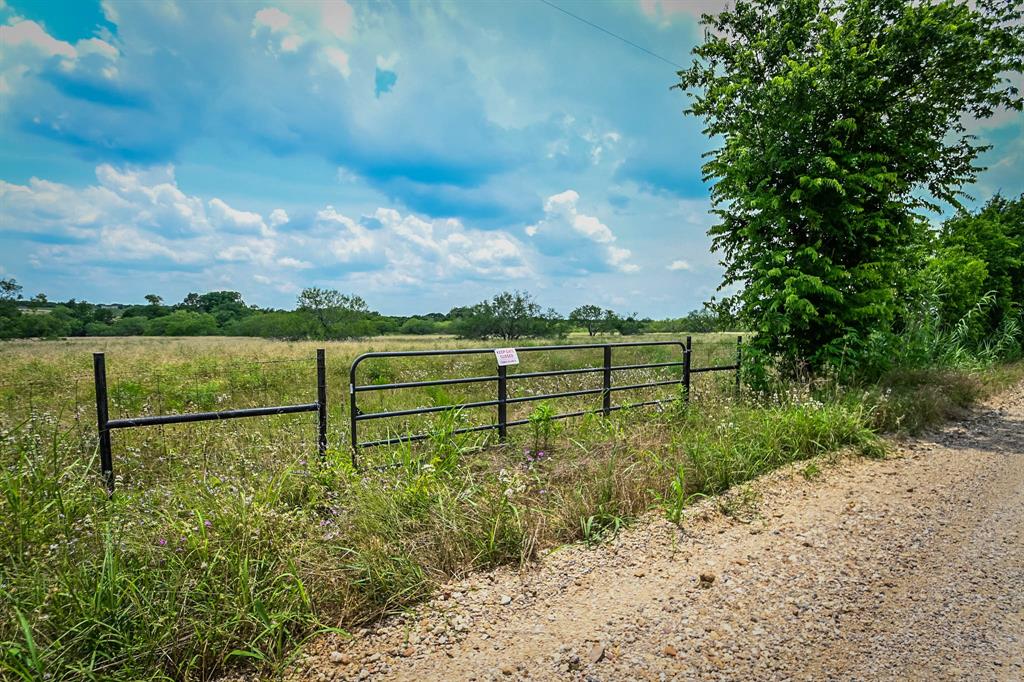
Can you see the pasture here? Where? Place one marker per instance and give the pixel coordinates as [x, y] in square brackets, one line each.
[229, 543]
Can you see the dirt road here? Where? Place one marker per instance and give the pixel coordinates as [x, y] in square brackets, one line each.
[909, 568]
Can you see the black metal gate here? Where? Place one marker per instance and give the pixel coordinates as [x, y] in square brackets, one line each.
[502, 377]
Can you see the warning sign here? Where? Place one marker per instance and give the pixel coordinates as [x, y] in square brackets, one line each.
[506, 356]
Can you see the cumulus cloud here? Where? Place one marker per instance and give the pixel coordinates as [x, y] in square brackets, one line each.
[141, 216]
[278, 217]
[409, 248]
[272, 18]
[227, 218]
[29, 33]
[579, 240]
[679, 265]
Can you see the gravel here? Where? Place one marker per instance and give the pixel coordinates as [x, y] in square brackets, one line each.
[908, 568]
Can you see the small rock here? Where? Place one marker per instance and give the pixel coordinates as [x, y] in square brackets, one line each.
[706, 580]
[337, 658]
[596, 652]
[504, 600]
[670, 650]
[408, 651]
[507, 670]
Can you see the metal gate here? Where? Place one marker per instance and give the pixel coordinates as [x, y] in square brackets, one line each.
[502, 377]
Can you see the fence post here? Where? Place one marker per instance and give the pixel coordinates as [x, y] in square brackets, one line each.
[502, 405]
[739, 362]
[686, 368]
[99, 368]
[353, 412]
[607, 405]
[321, 401]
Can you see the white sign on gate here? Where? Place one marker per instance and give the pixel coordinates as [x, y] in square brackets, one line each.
[506, 356]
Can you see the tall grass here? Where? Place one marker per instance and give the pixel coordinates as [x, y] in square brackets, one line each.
[199, 566]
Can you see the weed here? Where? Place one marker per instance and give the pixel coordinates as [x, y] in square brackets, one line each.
[810, 471]
[741, 504]
[542, 426]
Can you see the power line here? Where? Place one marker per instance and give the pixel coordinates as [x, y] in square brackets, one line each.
[613, 35]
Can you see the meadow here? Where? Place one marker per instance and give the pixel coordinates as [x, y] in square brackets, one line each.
[228, 544]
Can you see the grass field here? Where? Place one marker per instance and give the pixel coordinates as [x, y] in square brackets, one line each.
[228, 544]
[158, 376]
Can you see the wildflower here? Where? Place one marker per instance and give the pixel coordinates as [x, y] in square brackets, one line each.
[162, 542]
[208, 524]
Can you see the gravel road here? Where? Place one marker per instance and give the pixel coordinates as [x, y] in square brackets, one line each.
[908, 568]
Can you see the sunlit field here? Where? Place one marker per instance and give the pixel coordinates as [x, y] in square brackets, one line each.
[148, 376]
[227, 544]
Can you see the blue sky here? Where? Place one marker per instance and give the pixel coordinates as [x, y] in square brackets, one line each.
[422, 155]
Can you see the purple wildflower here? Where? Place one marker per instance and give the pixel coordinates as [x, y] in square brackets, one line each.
[162, 542]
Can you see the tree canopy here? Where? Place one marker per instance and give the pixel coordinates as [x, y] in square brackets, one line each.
[839, 122]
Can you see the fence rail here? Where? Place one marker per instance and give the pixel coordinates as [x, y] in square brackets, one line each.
[501, 379]
[501, 401]
[105, 424]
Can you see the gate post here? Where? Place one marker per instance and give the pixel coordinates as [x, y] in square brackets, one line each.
[687, 352]
[739, 362]
[321, 402]
[99, 368]
[502, 405]
[353, 412]
[607, 404]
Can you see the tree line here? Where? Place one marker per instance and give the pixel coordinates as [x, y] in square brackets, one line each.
[318, 314]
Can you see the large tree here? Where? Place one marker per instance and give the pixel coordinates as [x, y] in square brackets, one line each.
[333, 310]
[838, 122]
[510, 315]
[591, 317]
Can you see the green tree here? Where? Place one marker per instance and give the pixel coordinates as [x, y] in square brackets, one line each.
[590, 317]
[510, 315]
[994, 236]
[839, 121]
[183, 323]
[154, 300]
[417, 325]
[10, 290]
[338, 314]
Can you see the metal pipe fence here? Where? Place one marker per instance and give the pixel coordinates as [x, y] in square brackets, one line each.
[105, 424]
[502, 378]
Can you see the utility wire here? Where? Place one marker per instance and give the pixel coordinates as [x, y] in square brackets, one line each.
[613, 35]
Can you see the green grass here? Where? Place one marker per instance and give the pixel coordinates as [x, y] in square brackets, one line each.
[229, 547]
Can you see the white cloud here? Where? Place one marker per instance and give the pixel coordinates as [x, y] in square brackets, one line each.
[387, 63]
[404, 249]
[288, 262]
[272, 18]
[338, 58]
[337, 17]
[291, 43]
[135, 214]
[679, 265]
[278, 217]
[22, 32]
[227, 218]
[577, 238]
